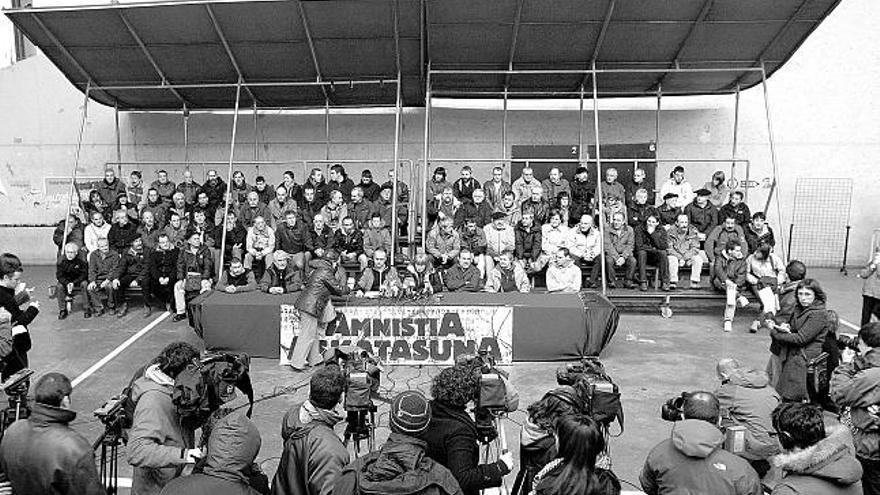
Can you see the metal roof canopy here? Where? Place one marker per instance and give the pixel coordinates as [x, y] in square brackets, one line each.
[306, 53]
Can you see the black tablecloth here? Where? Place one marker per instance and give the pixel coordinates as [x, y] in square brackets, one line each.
[546, 327]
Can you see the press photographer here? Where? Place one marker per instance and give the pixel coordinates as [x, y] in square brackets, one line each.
[15, 341]
[692, 460]
[160, 445]
[43, 454]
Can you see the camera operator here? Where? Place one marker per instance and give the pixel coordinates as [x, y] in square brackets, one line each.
[400, 466]
[229, 462]
[818, 458]
[748, 400]
[42, 454]
[452, 434]
[313, 455]
[15, 344]
[159, 445]
[692, 460]
[857, 385]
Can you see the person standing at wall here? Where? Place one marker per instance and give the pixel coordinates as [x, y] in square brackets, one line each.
[871, 289]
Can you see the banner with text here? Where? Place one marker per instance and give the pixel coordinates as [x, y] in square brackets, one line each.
[412, 334]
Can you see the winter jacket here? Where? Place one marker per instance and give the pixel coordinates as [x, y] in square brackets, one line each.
[307, 212]
[856, 385]
[717, 240]
[724, 269]
[386, 212]
[44, 455]
[668, 215]
[684, 191]
[582, 193]
[755, 239]
[240, 192]
[361, 213]
[498, 241]
[375, 238]
[109, 191]
[216, 192]
[135, 194]
[541, 210]
[748, 400]
[163, 264]
[452, 441]
[523, 190]
[463, 189]
[121, 237]
[333, 216]
[871, 287]
[718, 194]
[435, 188]
[704, 218]
[372, 191]
[400, 466]
[644, 241]
[102, 266]
[190, 191]
[236, 236]
[692, 461]
[321, 285]
[474, 241]
[788, 303]
[545, 480]
[460, 279]
[313, 455]
[243, 282]
[826, 468]
[76, 235]
[566, 278]
[481, 213]
[371, 280]
[619, 243]
[613, 190]
[149, 236]
[278, 211]
[289, 279]
[73, 271]
[803, 343]
[133, 263]
[320, 240]
[512, 215]
[232, 448]
[292, 240]
[247, 214]
[157, 441]
[440, 243]
[583, 246]
[637, 214]
[166, 191]
[631, 188]
[552, 239]
[684, 244]
[527, 241]
[511, 280]
[493, 197]
[351, 243]
[176, 236]
[201, 262]
[206, 233]
[740, 212]
[537, 449]
[260, 242]
[552, 189]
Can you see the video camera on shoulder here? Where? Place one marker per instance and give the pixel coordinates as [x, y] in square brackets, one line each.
[203, 387]
[596, 388]
[362, 375]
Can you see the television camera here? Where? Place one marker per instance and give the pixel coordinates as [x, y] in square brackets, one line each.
[16, 389]
[362, 373]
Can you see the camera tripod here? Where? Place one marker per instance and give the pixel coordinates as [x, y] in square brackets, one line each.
[17, 409]
[361, 426]
[497, 446]
[109, 441]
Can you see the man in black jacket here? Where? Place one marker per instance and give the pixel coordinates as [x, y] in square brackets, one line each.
[315, 310]
[292, 237]
[162, 267]
[195, 271]
[72, 271]
[122, 232]
[15, 341]
[652, 243]
[132, 271]
[43, 454]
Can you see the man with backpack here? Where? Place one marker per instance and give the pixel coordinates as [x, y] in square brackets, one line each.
[159, 444]
[401, 465]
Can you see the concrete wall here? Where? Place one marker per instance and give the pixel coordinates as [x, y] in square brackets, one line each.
[824, 106]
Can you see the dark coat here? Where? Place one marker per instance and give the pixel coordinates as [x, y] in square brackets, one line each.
[201, 262]
[76, 234]
[668, 214]
[754, 240]
[109, 191]
[290, 279]
[740, 212]
[804, 342]
[73, 271]
[827, 468]
[216, 192]
[238, 235]
[348, 243]
[400, 466]
[725, 268]
[636, 214]
[133, 264]
[344, 187]
[855, 385]
[648, 242]
[102, 267]
[20, 343]
[527, 242]
[292, 240]
[321, 285]
[163, 264]
[459, 279]
[322, 191]
[541, 209]
[43, 455]
[463, 189]
[120, 238]
[546, 480]
[371, 190]
[703, 218]
[452, 441]
[361, 212]
[482, 213]
[323, 239]
[582, 194]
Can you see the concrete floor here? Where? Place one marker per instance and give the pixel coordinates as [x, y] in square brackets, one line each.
[651, 358]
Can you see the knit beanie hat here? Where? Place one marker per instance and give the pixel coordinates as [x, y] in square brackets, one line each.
[410, 413]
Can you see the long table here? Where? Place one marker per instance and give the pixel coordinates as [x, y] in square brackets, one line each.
[546, 327]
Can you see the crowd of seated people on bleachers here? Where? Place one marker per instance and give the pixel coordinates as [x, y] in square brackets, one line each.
[492, 236]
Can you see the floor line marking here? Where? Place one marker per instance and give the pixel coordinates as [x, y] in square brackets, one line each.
[115, 352]
[851, 325]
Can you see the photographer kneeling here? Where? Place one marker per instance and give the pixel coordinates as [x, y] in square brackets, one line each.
[452, 434]
[43, 454]
[692, 460]
[159, 445]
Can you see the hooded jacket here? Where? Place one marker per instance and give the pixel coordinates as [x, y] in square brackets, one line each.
[157, 440]
[692, 461]
[826, 468]
[232, 447]
[43, 455]
[857, 385]
[313, 455]
[400, 466]
[748, 400]
[803, 343]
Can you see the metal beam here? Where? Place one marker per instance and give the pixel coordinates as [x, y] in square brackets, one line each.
[395, 167]
[425, 171]
[149, 56]
[514, 35]
[234, 85]
[442, 72]
[226, 198]
[774, 186]
[395, 15]
[599, 178]
[311, 43]
[73, 190]
[232, 59]
[707, 6]
[90, 81]
[600, 40]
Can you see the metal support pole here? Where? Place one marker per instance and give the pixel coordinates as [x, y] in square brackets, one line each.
[395, 166]
[657, 122]
[774, 185]
[226, 200]
[581, 128]
[427, 156]
[599, 176]
[504, 127]
[735, 140]
[326, 129]
[186, 138]
[118, 141]
[79, 140]
[256, 138]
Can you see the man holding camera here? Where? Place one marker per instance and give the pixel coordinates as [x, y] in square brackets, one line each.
[43, 454]
[159, 444]
[856, 385]
[313, 455]
[692, 460]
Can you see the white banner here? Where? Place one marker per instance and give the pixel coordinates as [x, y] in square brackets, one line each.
[412, 334]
